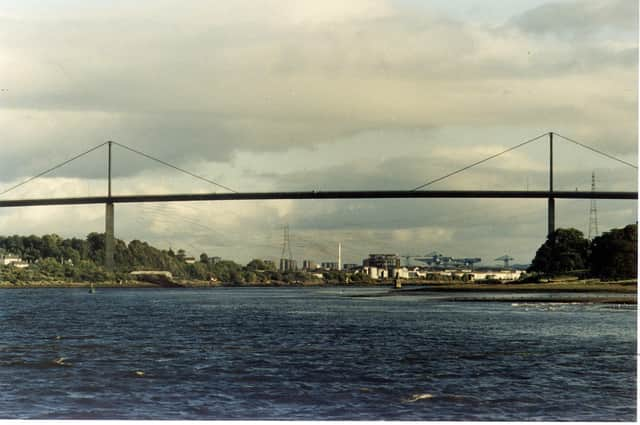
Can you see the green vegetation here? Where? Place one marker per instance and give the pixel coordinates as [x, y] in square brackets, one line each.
[52, 258]
[614, 255]
[565, 250]
[610, 256]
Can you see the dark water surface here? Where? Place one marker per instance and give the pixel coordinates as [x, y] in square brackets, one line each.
[302, 353]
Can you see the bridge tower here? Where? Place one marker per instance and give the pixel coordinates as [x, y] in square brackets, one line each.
[551, 205]
[593, 211]
[109, 241]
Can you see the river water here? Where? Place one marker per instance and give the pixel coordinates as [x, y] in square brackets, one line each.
[310, 354]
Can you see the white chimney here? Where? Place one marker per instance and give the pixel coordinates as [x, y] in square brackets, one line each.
[339, 256]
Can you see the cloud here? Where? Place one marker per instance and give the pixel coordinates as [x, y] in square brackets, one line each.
[283, 94]
[211, 80]
[580, 18]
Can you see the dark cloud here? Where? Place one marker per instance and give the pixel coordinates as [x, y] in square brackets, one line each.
[229, 84]
[205, 83]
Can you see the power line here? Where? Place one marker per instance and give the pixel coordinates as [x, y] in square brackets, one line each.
[286, 244]
[162, 214]
[598, 151]
[174, 167]
[52, 168]
[479, 162]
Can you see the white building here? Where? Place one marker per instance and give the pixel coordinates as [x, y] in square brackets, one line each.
[401, 272]
[166, 274]
[380, 273]
[5, 260]
[498, 275]
[13, 260]
[371, 271]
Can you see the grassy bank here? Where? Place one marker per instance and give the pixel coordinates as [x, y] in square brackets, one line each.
[591, 285]
[67, 284]
[629, 299]
[582, 286]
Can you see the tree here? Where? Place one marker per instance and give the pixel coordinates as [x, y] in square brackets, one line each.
[198, 271]
[614, 255]
[30, 254]
[50, 247]
[51, 268]
[226, 271]
[250, 277]
[79, 245]
[204, 258]
[564, 250]
[15, 244]
[96, 242]
[87, 270]
[69, 253]
[256, 265]
[236, 277]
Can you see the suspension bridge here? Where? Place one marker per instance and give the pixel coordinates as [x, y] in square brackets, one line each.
[417, 192]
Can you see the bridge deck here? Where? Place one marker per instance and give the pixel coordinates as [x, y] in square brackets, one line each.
[339, 194]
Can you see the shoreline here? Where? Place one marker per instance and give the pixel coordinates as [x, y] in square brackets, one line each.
[582, 286]
[589, 285]
[565, 292]
[568, 292]
[515, 301]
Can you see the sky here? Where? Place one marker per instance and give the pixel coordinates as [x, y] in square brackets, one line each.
[306, 95]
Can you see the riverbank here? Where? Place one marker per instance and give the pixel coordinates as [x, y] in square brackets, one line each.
[409, 287]
[589, 291]
[590, 285]
[66, 284]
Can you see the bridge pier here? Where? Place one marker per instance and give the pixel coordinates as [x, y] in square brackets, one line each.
[109, 240]
[551, 219]
[551, 205]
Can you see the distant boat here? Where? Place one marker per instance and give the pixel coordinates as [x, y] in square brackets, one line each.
[92, 290]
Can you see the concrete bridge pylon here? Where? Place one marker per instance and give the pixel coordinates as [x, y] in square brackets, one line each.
[551, 204]
[109, 233]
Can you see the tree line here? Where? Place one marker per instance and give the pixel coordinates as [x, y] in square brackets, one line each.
[612, 255]
[52, 257]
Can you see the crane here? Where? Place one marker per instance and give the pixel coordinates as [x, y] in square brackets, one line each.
[506, 260]
[435, 259]
[408, 257]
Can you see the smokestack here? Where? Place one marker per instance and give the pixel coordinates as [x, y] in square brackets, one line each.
[339, 256]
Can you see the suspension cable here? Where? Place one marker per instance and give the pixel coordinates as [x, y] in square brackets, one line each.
[597, 151]
[480, 162]
[173, 166]
[51, 169]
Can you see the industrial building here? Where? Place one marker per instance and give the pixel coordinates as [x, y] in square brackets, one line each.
[287, 265]
[329, 265]
[382, 261]
[309, 265]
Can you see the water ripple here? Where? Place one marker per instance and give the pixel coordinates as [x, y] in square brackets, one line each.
[310, 354]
